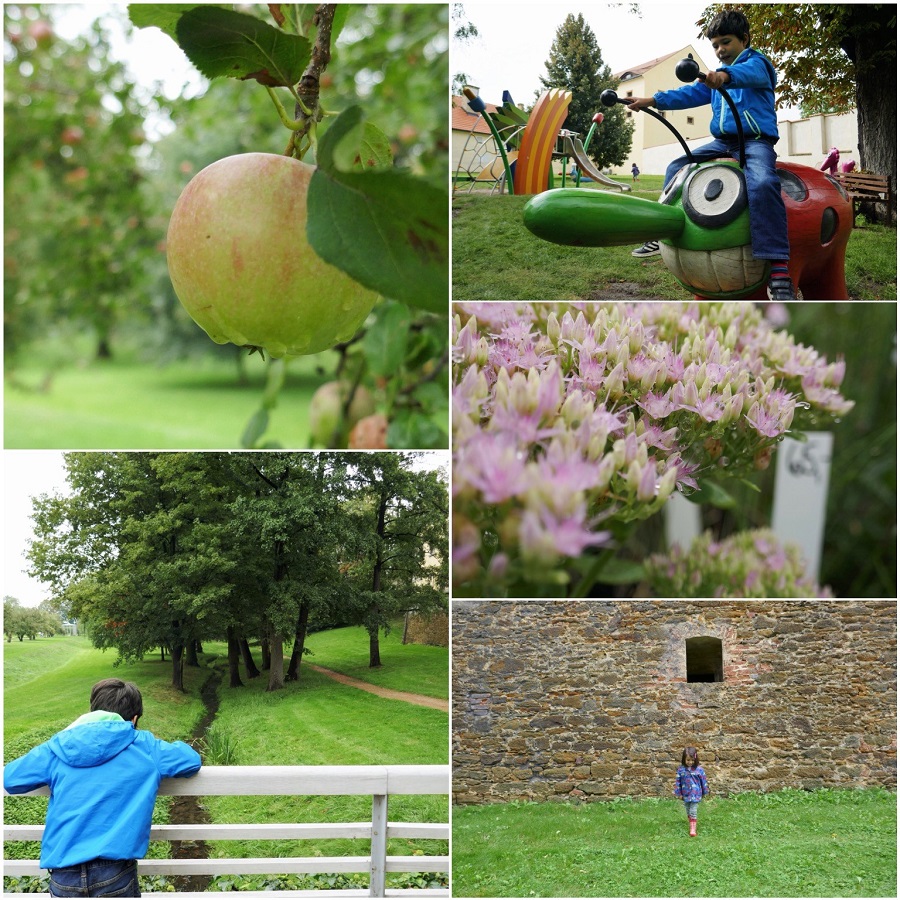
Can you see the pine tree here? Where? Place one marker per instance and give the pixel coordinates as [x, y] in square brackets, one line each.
[576, 64]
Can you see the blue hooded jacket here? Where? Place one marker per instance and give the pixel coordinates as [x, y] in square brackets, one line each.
[103, 776]
[752, 87]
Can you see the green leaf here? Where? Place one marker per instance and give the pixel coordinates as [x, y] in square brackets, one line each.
[256, 428]
[385, 341]
[387, 229]
[713, 494]
[621, 571]
[224, 43]
[304, 14]
[164, 16]
[412, 430]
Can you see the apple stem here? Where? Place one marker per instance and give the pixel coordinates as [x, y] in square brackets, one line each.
[293, 124]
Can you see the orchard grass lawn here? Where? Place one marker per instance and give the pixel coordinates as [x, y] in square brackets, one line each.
[787, 844]
[314, 721]
[125, 404]
[496, 258]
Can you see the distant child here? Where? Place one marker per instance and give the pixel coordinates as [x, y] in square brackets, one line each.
[690, 785]
[751, 79]
[103, 775]
[635, 171]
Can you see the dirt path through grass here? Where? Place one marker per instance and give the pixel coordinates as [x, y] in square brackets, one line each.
[417, 699]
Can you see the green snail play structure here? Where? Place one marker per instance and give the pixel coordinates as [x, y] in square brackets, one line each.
[524, 146]
[703, 225]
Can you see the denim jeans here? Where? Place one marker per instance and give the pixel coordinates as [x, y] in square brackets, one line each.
[768, 218]
[97, 878]
[691, 808]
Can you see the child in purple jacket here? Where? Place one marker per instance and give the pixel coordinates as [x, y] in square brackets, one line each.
[690, 785]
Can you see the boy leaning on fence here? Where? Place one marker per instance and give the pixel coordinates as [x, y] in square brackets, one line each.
[103, 775]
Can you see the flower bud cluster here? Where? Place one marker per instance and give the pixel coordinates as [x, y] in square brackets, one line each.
[747, 564]
[572, 420]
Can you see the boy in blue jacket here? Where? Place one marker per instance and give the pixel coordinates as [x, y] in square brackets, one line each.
[750, 79]
[103, 775]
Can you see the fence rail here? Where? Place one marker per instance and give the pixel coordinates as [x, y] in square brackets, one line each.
[379, 782]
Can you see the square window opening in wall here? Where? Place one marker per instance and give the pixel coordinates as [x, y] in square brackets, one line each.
[703, 656]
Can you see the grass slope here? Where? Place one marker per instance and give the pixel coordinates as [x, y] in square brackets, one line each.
[496, 258]
[415, 668]
[788, 844]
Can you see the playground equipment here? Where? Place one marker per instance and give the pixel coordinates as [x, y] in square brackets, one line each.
[703, 224]
[525, 148]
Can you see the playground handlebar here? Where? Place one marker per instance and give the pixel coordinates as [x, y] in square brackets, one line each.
[610, 98]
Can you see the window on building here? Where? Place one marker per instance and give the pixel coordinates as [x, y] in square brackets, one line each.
[704, 659]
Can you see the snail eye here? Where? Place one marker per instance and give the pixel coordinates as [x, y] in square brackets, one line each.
[673, 188]
[715, 195]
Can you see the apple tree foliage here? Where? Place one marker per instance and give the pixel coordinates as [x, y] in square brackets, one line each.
[77, 223]
[383, 224]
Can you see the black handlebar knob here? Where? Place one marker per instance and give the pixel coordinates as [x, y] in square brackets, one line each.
[609, 97]
[688, 69]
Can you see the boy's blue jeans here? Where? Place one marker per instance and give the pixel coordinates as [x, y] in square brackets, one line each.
[97, 878]
[690, 807]
[768, 218]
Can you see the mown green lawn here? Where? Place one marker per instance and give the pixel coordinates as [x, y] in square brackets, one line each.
[414, 668]
[496, 258]
[125, 404]
[787, 844]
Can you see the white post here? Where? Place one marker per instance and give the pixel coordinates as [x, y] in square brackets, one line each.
[379, 845]
[683, 522]
[802, 470]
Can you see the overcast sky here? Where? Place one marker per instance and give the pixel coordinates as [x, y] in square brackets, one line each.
[514, 40]
[26, 474]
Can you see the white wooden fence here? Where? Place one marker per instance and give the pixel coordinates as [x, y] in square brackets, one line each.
[379, 782]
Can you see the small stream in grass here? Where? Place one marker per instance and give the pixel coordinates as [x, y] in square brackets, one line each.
[190, 810]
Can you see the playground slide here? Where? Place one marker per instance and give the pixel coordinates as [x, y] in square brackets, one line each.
[575, 150]
[495, 170]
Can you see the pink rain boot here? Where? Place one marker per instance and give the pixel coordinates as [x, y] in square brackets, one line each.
[693, 827]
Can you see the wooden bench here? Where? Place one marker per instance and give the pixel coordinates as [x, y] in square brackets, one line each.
[379, 782]
[864, 187]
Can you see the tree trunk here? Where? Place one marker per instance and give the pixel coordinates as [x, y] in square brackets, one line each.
[162, 652]
[178, 666]
[374, 649]
[876, 88]
[234, 659]
[247, 656]
[266, 652]
[191, 655]
[293, 673]
[276, 671]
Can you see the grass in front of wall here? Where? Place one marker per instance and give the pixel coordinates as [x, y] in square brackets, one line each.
[786, 844]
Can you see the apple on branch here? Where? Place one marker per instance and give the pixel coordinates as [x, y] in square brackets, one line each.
[243, 268]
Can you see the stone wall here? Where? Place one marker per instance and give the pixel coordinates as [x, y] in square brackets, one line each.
[433, 629]
[591, 699]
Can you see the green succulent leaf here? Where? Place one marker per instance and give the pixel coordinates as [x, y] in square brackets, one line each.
[386, 229]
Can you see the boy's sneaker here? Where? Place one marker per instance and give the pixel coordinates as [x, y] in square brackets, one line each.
[781, 290]
[651, 248]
